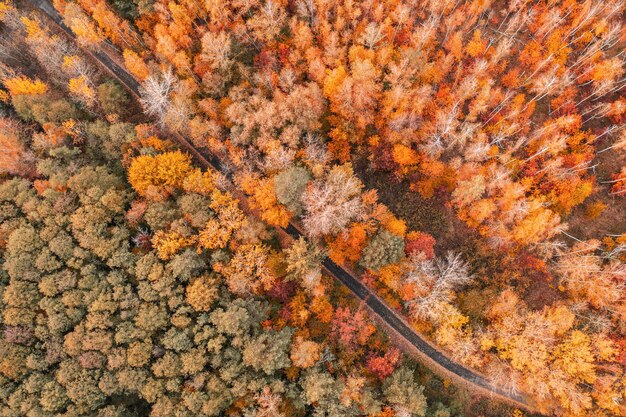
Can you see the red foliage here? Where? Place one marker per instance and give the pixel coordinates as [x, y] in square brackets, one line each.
[282, 290]
[417, 242]
[383, 366]
[533, 268]
[351, 329]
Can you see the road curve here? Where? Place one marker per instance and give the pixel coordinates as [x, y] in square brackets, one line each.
[434, 357]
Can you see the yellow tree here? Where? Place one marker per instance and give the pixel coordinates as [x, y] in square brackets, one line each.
[82, 25]
[202, 292]
[22, 85]
[80, 87]
[150, 174]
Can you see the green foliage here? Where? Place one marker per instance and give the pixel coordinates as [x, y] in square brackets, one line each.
[44, 109]
[269, 351]
[107, 141]
[289, 186]
[401, 390]
[383, 249]
[112, 97]
[92, 326]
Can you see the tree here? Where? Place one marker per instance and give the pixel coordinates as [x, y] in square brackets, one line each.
[22, 85]
[269, 351]
[434, 281]
[289, 186]
[304, 264]
[82, 26]
[248, 271]
[418, 242]
[136, 65]
[15, 159]
[401, 390]
[384, 248]
[112, 97]
[202, 293]
[351, 328]
[318, 386]
[354, 95]
[305, 353]
[587, 276]
[80, 87]
[155, 93]
[619, 182]
[150, 175]
[263, 197]
[330, 203]
[383, 366]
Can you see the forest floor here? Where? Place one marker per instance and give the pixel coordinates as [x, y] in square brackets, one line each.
[436, 217]
[612, 221]
[431, 215]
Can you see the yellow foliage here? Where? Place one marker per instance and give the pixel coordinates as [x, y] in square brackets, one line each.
[81, 25]
[168, 169]
[390, 275]
[199, 182]
[33, 29]
[576, 358]
[4, 8]
[517, 413]
[248, 270]
[71, 128]
[24, 86]
[263, 197]
[215, 235]
[80, 87]
[70, 63]
[604, 348]
[395, 226]
[167, 244]
[533, 227]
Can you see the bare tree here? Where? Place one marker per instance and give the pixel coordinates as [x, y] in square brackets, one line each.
[435, 281]
[331, 202]
[155, 94]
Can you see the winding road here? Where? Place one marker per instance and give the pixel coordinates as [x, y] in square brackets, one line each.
[413, 343]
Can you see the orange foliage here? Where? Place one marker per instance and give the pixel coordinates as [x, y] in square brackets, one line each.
[13, 153]
[263, 197]
[349, 244]
[135, 64]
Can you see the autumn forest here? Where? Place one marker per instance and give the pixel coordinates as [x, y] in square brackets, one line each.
[325, 208]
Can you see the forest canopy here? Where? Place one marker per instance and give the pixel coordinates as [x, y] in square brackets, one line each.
[462, 162]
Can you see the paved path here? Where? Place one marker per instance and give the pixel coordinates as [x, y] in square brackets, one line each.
[435, 357]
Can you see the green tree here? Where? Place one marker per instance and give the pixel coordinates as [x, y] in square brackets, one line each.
[384, 248]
